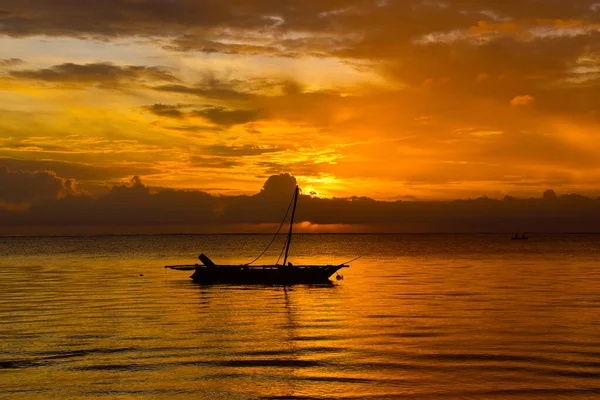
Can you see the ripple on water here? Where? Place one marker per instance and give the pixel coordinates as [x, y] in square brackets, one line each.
[442, 320]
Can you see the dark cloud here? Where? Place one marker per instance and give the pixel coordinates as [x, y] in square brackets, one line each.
[544, 67]
[77, 171]
[301, 168]
[10, 62]
[239, 151]
[289, 102]
[387, 33]
[197, 43]
[27, 187]
[96, 73]
[223, 116]
[279, 185]
[222, 93]
[213, 162]
[109, 19]
[165, 110]
[135, 188]
[160, 17]
[191, 128]
[134, 205]
[458, 63]
[216, 115]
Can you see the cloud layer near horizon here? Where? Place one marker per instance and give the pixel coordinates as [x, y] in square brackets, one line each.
[387, 99]
[60, 208]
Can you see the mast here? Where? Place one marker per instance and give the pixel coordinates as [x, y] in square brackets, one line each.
[289, 239]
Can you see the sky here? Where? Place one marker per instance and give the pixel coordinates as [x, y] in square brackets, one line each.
[392, 100]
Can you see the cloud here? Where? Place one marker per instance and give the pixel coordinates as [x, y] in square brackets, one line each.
[164, 110]
[287, 101]
[240, 151]
[193, 128]
[213, 162]
[279, 186]
[133, 207]
[310, 167]
[10, 62]
[189, 42]
[77, 170]
[522, 100]
[27, 187]
[223, 116]
[522, 30]
[159, 17]
[96, 73]
[357, 30]
[221, 93]
[135, 188]
[215, 114]
[478, 56]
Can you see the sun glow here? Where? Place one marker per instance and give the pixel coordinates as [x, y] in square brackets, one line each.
[347, 107]
[309, 190]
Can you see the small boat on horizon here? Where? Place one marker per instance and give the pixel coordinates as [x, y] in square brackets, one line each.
[521, 237]
[208, 272]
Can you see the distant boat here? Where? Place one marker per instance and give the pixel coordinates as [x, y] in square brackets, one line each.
[521, 237]
[286, 273]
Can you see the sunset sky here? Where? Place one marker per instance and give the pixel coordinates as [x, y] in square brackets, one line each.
[390, 99]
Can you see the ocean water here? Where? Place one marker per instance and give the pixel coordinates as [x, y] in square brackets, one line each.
[417, 317]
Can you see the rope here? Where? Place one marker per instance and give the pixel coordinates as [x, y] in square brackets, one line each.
[276, 233]
[348, 262]
[282, 251]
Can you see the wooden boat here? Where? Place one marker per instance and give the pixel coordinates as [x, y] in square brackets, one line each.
[286, 273]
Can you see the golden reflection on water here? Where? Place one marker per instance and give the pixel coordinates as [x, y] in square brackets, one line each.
[489, 321]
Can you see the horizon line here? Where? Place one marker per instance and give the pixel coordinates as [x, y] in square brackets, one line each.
[295, 234]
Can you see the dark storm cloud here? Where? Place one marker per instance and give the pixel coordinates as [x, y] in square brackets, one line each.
[134, 205]
[96, 73]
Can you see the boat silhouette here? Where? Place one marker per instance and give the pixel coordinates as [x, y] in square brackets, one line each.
[517, 237]
[286, 273]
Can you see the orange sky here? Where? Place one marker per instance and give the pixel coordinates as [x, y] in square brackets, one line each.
[387, 99]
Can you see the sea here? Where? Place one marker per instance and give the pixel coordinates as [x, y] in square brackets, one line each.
[418, 316]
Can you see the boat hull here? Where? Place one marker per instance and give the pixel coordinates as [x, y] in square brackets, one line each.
[265, 274]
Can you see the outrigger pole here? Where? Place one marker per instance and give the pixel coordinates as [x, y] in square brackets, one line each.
[289, 240]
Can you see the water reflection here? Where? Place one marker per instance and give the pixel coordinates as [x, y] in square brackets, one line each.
[442, 323]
